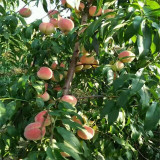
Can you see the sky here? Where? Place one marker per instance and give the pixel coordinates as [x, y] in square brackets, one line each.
[37, 12]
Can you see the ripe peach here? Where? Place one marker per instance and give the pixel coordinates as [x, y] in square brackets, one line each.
[92, 11]
[63, 2]
[65, 25]
[118, 66]
[56, 80]
[45, 73]
[70, 99]
[57, 88]
[87, 59]
[43, 118]
[46, 28]
[54, 22]
[96, 62]
[81, 7]
[45, 96]
[52, 12]
[75, 119]
[54, 65]
[79, 67]
[87, 66]
[62, 65]
[115, 75]
[126, 56]
[34, 131]
[64, 154]
[86, 134]
[111, 15]
[25, 12]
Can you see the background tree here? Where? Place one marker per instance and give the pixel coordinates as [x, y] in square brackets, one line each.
[80, 87]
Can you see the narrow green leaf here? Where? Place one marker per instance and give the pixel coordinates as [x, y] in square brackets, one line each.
[152, 116]
[68, 150]
[70, 138]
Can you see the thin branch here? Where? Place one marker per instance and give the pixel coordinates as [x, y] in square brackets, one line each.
[93, 96]
[96, 96]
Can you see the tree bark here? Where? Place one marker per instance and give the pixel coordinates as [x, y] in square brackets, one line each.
[73, 63]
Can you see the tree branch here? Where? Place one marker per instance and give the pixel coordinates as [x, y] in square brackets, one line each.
[73, 63]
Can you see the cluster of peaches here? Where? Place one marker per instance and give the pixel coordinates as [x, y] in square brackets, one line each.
[124, 57]
[64, 24]
[87, 61]
[36, 130]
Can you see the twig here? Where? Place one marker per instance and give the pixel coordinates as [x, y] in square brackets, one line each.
[93, 96]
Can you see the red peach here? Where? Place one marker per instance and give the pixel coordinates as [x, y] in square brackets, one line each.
[63, 2]
[64, 154]
[65, 25]
[75, 119]
[126, 56]
[54, 65]
[52, 12]
[34, 131]
[92, 11]
[43, 118]
[25, 12]
[79, 67]
[70, 99]
[87, 59]
[110, 15]
[45, 96]
[62, 65]
[81, 7]
[46, 28]
[86, 134]
[45, 73]
[118, 66]
[57, 88]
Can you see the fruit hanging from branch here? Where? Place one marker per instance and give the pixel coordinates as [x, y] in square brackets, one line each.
[25, 12]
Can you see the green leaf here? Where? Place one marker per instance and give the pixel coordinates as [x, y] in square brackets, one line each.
[40, 102]
[152, 4]
[70, 138]
[144, 42]
[137, 22]
[29, 32]
[69, 150]
[2, 10]
[45, 5]
[111, 111]
[10, 109]
[22, 20]
[12, 131]
[49, 152]
[123, 99]
[72, 124]
[152, 116]
[145, 97]
[2, 114]
[107, 108]
[65, 105]
[137, 84]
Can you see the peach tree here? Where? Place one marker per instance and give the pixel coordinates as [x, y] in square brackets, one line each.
[84, 85]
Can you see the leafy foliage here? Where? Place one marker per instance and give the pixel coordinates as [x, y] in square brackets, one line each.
[124, 111]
